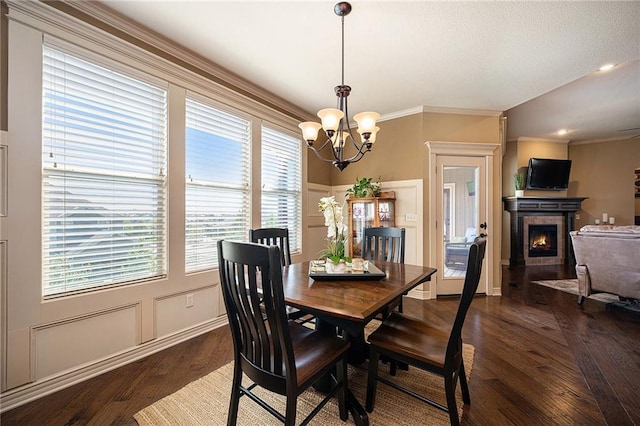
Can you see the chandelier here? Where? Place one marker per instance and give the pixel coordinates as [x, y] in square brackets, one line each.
[344, 148]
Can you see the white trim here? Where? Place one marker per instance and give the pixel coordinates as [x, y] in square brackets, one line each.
[33, 391]
[55, 23]
[4, 167]
[528, 139]
[102, 13]
[592, 141]
[438, 110]
[461, 148]
[465, 149]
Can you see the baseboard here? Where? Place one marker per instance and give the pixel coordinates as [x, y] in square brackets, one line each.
[19, 396]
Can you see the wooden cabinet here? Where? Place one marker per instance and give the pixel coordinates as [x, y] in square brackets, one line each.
[368, 213]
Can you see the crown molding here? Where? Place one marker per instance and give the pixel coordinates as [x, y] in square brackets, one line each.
[592, 141]
[528, 139]
[439, 110]
[132, 32]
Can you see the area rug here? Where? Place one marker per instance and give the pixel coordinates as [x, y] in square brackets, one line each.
[613, 302]
[206, 401]
[571, 286]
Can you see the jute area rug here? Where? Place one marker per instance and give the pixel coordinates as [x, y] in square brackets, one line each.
[206, 401]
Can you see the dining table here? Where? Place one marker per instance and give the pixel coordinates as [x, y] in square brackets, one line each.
[348, 303]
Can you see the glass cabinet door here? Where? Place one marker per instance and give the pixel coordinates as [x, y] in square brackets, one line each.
[368, 213]
[362, 215]
[385, 213]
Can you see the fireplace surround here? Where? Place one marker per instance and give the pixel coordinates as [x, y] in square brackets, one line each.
[530, 210]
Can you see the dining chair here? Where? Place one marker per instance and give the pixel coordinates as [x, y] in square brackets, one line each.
[279, 355]
[417, 343]
[273, 237]
[280, 237]
[384, 243]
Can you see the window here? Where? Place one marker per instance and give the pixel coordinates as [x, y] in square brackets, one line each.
[103, 176]
[282, 184]
[218, 194]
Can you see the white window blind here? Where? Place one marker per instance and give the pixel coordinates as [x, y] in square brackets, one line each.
[103, 176]
[282, 184]
[218, 191]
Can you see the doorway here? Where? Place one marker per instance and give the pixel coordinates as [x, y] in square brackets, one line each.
[460, 208]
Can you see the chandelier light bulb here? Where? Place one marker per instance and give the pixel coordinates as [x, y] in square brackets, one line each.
[371, 139]
[366, 121]
[339, 142]
[330, 118]
[310, 130]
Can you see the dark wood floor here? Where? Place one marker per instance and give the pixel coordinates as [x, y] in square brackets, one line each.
[540, 359]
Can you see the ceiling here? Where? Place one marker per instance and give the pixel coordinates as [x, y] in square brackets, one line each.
[536, 60]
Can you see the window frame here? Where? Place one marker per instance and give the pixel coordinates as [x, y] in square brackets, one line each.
[93, 174]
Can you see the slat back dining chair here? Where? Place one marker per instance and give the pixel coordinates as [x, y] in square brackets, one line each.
[384, 243]
[280, 237]
[417, 343]
[273, 237]
[273, 352]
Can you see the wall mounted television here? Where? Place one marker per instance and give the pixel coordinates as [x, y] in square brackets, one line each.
[548, 174]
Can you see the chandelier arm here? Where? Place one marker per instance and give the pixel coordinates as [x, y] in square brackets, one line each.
[322, 157]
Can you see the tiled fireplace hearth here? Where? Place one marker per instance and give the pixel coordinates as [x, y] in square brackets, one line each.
[540, 229]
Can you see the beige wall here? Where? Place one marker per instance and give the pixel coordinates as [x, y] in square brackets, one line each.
[604, 172]
[396, 155]
[517, 155]
[318, 171]
[400, 153]
[538, 148]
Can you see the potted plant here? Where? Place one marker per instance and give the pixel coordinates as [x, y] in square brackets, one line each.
[518, 183]
[335, 250]
[364, 188]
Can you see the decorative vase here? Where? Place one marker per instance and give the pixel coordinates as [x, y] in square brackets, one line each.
[332, 267]
[519, 192]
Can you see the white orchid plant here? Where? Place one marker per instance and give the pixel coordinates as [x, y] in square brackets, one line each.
[333, 220]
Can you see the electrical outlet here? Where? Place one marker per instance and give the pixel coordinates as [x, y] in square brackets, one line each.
[189, 300]
[578, 216]
[411, 217]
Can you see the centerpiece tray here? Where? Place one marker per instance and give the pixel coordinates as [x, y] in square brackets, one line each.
[317, 272]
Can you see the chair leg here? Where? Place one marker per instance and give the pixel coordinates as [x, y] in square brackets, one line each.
[232, 416]
[466, 398]
[342, 393]
[581, 300]
[450, 390]
[372, 379]
[290, 413]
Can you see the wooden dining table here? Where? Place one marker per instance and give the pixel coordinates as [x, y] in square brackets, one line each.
[349, 304]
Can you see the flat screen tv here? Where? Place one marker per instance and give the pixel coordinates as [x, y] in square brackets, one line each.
[548, 174]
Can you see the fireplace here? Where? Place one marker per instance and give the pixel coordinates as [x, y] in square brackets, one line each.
[558, 212]
[543, 240]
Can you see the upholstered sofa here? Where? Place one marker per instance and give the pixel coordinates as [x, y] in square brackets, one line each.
[607, 260]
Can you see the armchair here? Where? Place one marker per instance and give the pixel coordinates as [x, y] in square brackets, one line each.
[456, 250]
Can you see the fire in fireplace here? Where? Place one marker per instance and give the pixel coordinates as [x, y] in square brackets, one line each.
[543, 240]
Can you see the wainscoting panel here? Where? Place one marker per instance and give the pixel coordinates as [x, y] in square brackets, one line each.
[173, 315]
[68, 344]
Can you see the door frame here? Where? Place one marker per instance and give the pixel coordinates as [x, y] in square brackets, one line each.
[465, 149]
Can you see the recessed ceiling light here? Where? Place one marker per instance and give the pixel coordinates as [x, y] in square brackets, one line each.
[562, 132]
[607, 67]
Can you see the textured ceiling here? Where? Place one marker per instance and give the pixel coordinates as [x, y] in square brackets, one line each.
[490, 56]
